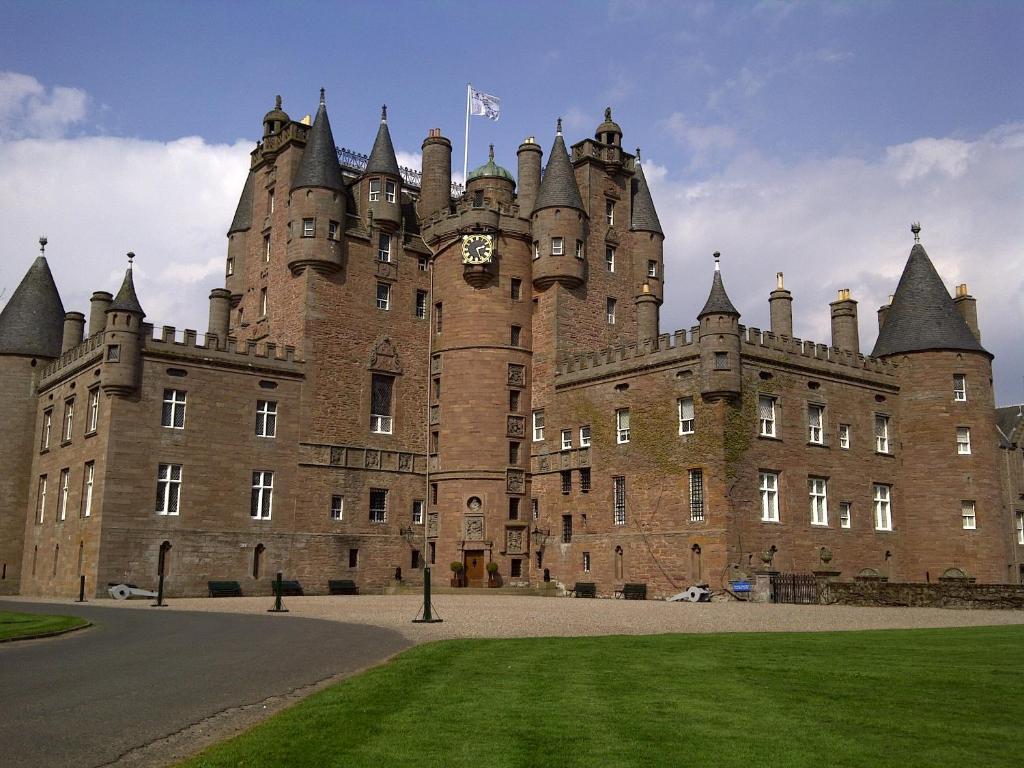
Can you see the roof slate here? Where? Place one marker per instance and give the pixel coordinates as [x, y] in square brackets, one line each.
[558, 187]
[382, 157]
[126, 299]
[319, 164]
[718, 302]
[32, 322]
[922, 315]
[1010, 420]
[644, 216]
[243, 213]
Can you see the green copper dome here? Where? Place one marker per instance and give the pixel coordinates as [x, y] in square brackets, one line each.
[490, 168]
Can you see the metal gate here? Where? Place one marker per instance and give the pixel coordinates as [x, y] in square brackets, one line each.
[794, 588]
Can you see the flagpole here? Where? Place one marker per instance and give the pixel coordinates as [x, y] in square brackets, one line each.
[465, 156]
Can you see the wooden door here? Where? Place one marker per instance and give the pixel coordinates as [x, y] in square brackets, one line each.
[475, 568]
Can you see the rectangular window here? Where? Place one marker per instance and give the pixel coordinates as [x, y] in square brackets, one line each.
[766, 415]
[817, 490]
[963, 441]
[619, 500]
[374, 190]
[63, 489]
[92, 416]
[513, 400]
[381, 404]
[384, 247]
[88, 481]
[173, 414]
[229, 270]
[960, 387]
[538, 426]
[610, 311]
[422, 262]
[41, 499]
[584, 479]
[266, 418]
[421, 305]
[970, 520]
[383, 296]
[262, 501]
[513, 508]
[270, 200]
[652, 268]
[433, 493]
[353, 558]
[378, 505]
[264, 304]
[881, 433]
[435, 442]
[437, 318]
[609, 212]
[579, 249]
[566, 529]
[696, 495]
[815, 424]
[515, 568]
[417, 511]
[337, 507]
[684, 406]
[478, 199]
[585, 436]
[515, 335]
[168, 489]
[332, 230]
[622, 425]
[69, 420]
[845, 514]
[114, 350]
[516, 289]
[769, 485]
[390, 191]
[44, 438]
[1020, 518]
[535, 508]
[266, 248]
[721, 361]
[586, 562]
[609, 258]
[844, 436]
[883, 507]
[557, 246]
[308, 227]
[566, 480]
[566, 439]
[536, 250]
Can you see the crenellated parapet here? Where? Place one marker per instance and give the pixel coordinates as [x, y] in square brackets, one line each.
[465, 216]
[73, 360]
[787, 349]
[187, 346]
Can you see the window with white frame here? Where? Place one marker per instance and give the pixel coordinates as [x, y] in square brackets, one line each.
[815, 424]
[62, 499]
[390, 191]
[960, 387]
[538, 425]
[585, 436]
[44, 437]
[378, 505]
[421, 305]
[566, 439]
[881, 433]
[579, 249]
[845, 514]
[684, 406]
[168, 489]
[173, 414]
[769, 486]
[41, 499]
[586, 562]
[382, 404]
[619, 500]
[417, 511]
[69, 420]
[1020, 520]
[609, 212]
[229, 269]
[266, 418]
[622, 425]
[383, 296]
[270, 200]
[536, 250]
[332, 230]
[92, 416]
[337, 507]
[374, 190]
[963, 441]
[384, 247]
[696, 495]
[610, 311]
[766, 415]
[262, 501]
[557, 246]
[817, 490]
[264, 303]
[844, 436]
[609, 258]
[652, 268]
[883, 507]
[422, 263]
[970, 520]
[88, 480]
[308, 227]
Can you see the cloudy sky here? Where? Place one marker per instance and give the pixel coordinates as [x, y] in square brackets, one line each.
[792, 136]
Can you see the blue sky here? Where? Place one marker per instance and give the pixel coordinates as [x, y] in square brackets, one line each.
[793, 136]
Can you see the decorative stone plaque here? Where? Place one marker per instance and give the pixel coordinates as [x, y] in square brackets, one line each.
[432, 524]
[337, 455]
[372, 459]
[516, 375]
[385, 357]
[473, 527]
[517, 426]
[515, 480]
[514, 539]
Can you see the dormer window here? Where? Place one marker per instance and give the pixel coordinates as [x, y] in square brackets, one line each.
[374, 190]
[390, 191]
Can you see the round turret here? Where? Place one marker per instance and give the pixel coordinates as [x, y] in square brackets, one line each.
[381, 182]
[559, 223]
[720, 374]
[275, 120]
[122, 343]
[609, 131]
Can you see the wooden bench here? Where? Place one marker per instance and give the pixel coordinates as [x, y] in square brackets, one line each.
[342, 587]
[224, 588]
[632, 592]
[584, 589]
[288, 588]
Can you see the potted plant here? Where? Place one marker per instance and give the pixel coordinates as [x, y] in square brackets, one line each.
[457, 569]
[492, 574]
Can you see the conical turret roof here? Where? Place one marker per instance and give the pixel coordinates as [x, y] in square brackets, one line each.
[718, 302]
[644, 216]
[558, 187]
[319, 164]
[32, 323]
[382, 156]
[126, 299]
[922, 314]
[243, 213]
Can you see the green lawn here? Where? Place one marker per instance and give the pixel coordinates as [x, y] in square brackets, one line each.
[896, 698]
[14, 626]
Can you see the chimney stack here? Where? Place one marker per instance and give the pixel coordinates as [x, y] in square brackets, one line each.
[780, 303]
[74, 329]
[844, 322]
[436, 165]
[529, 154]
[98, 305]
[220, 315]
[883, 311]
[967, 306]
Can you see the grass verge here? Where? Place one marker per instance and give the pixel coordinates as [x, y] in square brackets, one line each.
[24, 626]
[907, 698]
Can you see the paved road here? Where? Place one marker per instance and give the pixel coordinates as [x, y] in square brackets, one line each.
[86, 698]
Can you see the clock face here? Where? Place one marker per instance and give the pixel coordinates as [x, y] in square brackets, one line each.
[477, 249]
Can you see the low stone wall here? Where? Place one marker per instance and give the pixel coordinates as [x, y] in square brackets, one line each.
[946, 594]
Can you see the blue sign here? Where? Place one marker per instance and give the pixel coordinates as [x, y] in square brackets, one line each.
[740, 586]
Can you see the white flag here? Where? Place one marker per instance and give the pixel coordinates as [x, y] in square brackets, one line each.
[484, 104]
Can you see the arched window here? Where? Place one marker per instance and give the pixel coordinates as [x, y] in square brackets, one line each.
[257, 556]
[618, 564]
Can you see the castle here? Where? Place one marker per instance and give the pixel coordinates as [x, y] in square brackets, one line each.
[399, 372]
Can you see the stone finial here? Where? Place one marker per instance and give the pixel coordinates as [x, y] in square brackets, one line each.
[558, 127]
[490, 153]
[322, 102]
[277, 102]
[131, 259]
[916, 229]
[607, 114]
[42, 245]
[778, 281]
[638, 154]
[383, 113]
[718, 257]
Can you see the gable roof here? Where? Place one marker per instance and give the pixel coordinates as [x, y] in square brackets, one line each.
[558, 188]
[32, 322]
[319, 164]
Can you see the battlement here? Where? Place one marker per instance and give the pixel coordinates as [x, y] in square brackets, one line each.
[170, 340]
[664, 350]
[490, 214]
[755, 342]
[77, 357]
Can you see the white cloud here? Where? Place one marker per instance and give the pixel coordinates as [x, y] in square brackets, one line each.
[842, 222]
[27, 109]
[700, 141]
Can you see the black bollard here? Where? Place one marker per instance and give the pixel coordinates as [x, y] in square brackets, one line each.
[160, 594]
[278, 607]
[81, 589]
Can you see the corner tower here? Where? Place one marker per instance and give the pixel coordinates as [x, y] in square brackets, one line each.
[647, 241]
[122, 342]
[720, 372]
[559, 223]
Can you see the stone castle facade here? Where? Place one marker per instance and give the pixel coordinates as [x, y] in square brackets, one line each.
[400, 372]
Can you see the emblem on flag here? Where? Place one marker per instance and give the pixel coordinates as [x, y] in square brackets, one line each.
[484, 104]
